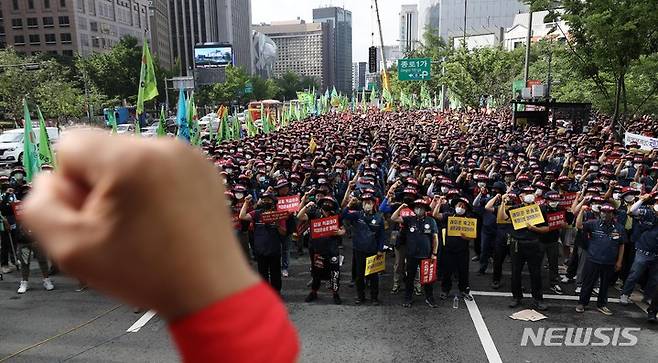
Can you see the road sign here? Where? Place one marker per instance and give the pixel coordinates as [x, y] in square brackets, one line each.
[248, 88]
[414, 69]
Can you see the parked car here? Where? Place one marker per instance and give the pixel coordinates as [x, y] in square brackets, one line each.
[11, 143]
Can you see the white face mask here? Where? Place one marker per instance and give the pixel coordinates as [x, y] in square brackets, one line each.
[482, 185]
[594, 168]
[239, 196]
[444, 190]
[596, 207]
[539, 192]
[637, 166]
[374, 166]
[261, 179]
[460, 211]
[629, 198]
[367, 207]
[428, 176]
[229, 203]
[628, 164]
[553, 204]
[529, 198]
[616, 196]
[655, 207]
[419, 211]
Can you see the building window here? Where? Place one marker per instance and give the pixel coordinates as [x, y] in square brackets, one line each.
[35, 39]
[30, 4]
[51, 39]
[64, 21]
[46, 4]
[65, 38]
[48, 22]
[62, 3]
[95, 42]
[16, 23]
[93, 26]
[32, 22]
[68, 53]
[15, 4]
[19, 40]
[53, 52]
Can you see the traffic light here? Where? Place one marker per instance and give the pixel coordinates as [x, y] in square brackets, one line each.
[372, 60]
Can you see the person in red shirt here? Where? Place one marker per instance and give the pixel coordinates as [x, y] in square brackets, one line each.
[91, 214]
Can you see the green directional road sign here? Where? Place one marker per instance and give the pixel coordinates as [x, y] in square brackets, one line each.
[248, 88]
[414, 69]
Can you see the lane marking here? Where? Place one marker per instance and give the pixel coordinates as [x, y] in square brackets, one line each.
[483, 332]
[141, 322]
[554, 297]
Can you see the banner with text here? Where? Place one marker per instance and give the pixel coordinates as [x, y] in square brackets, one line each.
[427, 271]
[523, 216]
[555, 220]
[459, 225]
[288, 204]
[645, 142]
[324, 227]
[375, 264]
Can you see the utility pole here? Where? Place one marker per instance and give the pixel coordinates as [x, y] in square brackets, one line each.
[527, 49]
[381, 40]
[464, 38]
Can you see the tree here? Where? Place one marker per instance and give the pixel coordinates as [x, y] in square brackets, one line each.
[608, 38]
[48, 86]
[116, 73]
[290, 82]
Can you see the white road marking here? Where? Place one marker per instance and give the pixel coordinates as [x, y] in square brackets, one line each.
[141, 322]
[483, 332]
[554, 297]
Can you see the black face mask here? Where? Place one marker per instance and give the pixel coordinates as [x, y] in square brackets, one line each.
[267, 206]
[408, 201]
[327, 208]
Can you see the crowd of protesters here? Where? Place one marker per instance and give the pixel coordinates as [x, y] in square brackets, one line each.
[389, 182]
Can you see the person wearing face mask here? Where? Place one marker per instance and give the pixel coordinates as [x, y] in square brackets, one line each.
[525, 247]
[454, 251]
[646, 248]
[325, 257]
[550, 241]
[488, 222]
[604, 241]
[269, 237]
[282, 189]
[422, 238]
[368, 238]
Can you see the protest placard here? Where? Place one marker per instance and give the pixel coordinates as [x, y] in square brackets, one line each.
[555, 220]
[427, 271]
[375, 264]
[288, 204]
[460, 225]
[523, 216]
[324, 227]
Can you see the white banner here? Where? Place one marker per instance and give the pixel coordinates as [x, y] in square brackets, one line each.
[645, 142]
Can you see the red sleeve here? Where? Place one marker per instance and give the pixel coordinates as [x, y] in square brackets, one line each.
[250, 326]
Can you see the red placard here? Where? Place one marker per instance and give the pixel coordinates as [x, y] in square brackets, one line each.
[324, 227]
[271, 217]
[555, 220]
[407, 212]
[17, 208]
[288, 204]
[427, 271]
[567, 199]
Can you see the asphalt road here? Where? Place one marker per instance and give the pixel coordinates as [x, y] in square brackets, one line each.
[64, 325]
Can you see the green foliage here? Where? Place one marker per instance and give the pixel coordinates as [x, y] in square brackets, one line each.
[49, 86]
[291, 82]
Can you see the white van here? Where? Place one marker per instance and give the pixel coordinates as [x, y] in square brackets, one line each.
[11, 143]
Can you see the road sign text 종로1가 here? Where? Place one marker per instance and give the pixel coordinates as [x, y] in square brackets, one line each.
[414, 69]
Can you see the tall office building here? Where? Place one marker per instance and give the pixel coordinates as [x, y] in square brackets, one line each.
[359, 70]
[446, 17]
[301, 47]
[340, 23]
[210, 21]
[161, 33]
[408, 28]
[67, 27]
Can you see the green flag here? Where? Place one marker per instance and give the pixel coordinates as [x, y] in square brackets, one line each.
[193, 117]
[251, 128]
[30, 156]
[148, 87]
[45, 149]
[112, 118]
[237, 128]
[162, 124]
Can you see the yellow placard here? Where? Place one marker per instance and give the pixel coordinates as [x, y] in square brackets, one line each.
[460, 225]
[523, 216]
[375, 264]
